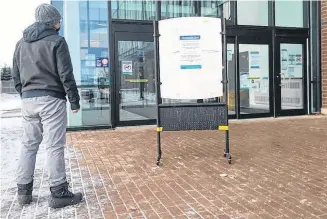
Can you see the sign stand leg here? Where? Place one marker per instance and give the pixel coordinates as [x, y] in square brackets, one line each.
[226, 152]
[158, 83]
[159, 147]
[168, 113]
[225, 81]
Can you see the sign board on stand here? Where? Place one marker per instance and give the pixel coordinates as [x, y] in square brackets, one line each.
[189, 56]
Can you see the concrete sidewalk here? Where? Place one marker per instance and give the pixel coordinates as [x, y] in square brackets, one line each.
[279, 170]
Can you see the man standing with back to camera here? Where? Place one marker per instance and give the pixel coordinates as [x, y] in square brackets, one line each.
[43, 75]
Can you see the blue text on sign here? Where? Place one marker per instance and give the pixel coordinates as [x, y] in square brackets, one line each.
[191, 66]
[190, 37]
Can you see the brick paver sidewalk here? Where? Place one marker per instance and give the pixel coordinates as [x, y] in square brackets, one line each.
[279, 170]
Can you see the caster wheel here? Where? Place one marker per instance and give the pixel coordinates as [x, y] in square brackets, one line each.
[225, 155]
[229, 159]
[158, 163]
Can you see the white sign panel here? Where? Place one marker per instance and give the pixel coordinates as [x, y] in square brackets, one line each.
[190, 58]
[127, 67]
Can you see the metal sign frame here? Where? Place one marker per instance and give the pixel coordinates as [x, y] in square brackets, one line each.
[177, 117]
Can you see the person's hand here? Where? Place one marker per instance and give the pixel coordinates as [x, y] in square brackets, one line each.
[75, 111]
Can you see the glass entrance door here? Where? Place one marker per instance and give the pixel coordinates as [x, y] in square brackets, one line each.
[291, 77]
[135, 78]
[255, 77]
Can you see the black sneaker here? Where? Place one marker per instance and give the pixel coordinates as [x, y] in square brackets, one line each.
[25, 193]
[62, 197]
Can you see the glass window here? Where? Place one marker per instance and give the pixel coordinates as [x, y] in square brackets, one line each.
[211, 9]
[59, 4]
[254, 78]
[291, 60]
[252, 13]
[86, 32]
[171, 9]
[285, 17]
[133, 10]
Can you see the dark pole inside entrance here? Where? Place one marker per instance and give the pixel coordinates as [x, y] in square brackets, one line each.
[141, 76]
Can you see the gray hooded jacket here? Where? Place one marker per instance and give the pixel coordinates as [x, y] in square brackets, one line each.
[42, 65]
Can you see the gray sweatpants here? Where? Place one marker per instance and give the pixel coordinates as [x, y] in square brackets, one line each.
[44, 119]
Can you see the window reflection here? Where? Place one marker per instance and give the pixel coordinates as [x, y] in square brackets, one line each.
[252, 13]
[93, 24]
[86, 32]
[291, 60]
[146, 10]
[95, 78]
[254, 78]
[212, 8]
[137, 85]
[171, 9]
[133, 10]
[59, 4]
[289, 18]
[94, 40]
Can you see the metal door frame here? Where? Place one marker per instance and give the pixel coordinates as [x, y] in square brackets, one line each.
[125, 31]
[263, 39]
[277, 84]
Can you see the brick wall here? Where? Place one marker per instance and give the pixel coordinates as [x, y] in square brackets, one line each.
[324, 55]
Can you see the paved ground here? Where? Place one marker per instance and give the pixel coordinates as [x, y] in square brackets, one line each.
[279, 170]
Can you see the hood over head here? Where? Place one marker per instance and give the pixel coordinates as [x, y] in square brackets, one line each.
[38, 31]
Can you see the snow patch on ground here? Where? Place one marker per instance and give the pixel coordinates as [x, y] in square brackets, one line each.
[10, 105]
[11, 133]
[9, 102]
[11, 136]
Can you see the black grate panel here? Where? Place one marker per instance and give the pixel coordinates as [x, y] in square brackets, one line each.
[193, 118]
